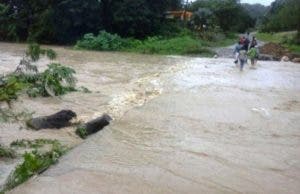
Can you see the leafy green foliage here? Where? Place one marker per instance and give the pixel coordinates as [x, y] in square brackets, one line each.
[228, 14]
[51, 54]
[104, 41]
[81, 132]
[182, 44]
[54, 81]
[34, 51]
[283, 16]
[6, 152]
[57, 80]
[9, 88]
[178, 45]
[286, 39]
[64, 21]
[37, 143]
[34, 163]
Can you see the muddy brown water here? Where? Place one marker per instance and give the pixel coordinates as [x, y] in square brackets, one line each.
[181, 125]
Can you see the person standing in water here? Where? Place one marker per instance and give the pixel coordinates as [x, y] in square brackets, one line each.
[242, 58]
[253, 42]
[253, 55]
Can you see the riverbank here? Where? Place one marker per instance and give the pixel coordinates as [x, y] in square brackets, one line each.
[184, 43]
[286, 39]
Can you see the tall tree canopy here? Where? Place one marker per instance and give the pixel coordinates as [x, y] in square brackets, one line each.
[228, 14]
[283, 15]
[64, 21]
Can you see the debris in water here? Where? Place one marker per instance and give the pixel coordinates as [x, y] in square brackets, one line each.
[58, 120]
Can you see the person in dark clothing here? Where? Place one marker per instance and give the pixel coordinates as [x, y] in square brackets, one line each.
[246, 44]
[253, 42]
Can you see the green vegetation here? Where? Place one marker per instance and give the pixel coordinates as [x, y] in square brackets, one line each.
[10, 87]
[284, 15]
[34, 51]
[185, 44]
[287, 39]
[229, 15]
[6, 152]
[34, 163]
[37, 143]
[8, 115]
[54, 81]
[177, 45]
[65, 21]
[104, 41]
[81, 132]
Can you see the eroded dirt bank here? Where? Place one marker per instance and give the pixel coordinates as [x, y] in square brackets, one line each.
[182, 125]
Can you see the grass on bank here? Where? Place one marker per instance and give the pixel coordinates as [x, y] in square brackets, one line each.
[34, 162]
[6, 152]
[287, 39]
[182, 44]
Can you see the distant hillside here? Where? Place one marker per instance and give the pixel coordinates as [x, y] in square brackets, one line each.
[283, 15]
[256, 11]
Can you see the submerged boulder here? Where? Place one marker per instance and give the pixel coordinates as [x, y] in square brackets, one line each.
[56, 121]
[93, 126]
[265, 57]
[296, 60]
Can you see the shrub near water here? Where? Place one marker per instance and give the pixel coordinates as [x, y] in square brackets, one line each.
[104, 41]
[177, 45]
[34, 162]
[182, 44]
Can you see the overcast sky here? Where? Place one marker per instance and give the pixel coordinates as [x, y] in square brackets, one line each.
[264, 2]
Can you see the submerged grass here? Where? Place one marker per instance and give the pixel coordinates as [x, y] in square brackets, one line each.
[34, 162]
[37, 143]
[81, 132]
[6, 152]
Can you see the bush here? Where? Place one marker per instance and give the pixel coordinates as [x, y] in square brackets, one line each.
[34, 51]
[56, 80]
[6, 152]
[104, 41]
[9, 88]
[178, 45]
[81, 132]
[183, 43]
[34, 163]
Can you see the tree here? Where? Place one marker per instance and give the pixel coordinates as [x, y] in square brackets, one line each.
[283, 15]
[229, 14]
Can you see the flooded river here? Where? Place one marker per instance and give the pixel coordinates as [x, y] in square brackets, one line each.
[181, 125]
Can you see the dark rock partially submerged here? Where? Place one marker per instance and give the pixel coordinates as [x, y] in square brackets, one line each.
[56, 121]
[97, 124]
[93, 126]
[265, 57]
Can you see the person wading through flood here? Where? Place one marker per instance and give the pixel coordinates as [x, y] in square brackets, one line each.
[253, 53]
[241, 52]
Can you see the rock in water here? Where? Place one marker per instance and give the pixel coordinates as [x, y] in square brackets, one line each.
[97, 124]
[285, 59]
[56, 121]
[265, 57]
[296, 60]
